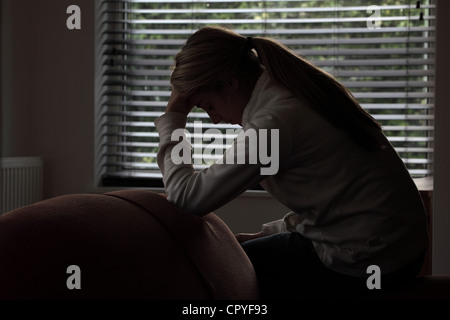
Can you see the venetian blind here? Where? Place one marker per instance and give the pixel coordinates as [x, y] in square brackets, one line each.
[384, 53]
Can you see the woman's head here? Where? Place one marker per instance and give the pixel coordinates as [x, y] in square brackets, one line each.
[218, 69]
[211, 58]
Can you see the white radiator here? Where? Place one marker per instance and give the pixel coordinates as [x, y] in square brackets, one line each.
[21, 182]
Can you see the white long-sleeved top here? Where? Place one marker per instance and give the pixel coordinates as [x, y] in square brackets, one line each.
[358, 207]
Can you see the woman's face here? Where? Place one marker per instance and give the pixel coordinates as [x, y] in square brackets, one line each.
[226, 106]
[219, 108]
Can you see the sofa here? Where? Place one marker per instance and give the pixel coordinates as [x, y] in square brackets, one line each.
[130, 244]
[134, 244]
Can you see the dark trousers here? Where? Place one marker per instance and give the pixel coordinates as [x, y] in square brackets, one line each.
[287, 267]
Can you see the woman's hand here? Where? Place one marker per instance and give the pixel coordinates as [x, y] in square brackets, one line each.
[179, 102]
[241, 237]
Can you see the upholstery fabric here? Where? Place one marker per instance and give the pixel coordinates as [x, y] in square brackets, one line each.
[129, 244]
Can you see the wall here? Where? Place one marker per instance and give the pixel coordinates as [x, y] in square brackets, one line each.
[48, 91]
[48, 110]
[441, 214]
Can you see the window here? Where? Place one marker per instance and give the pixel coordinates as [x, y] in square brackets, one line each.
[384, 53]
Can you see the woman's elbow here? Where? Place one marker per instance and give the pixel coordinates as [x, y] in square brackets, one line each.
[188, 205]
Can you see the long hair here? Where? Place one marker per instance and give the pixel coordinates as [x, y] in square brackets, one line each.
[214, 55]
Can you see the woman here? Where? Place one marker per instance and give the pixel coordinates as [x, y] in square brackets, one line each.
[354, 204]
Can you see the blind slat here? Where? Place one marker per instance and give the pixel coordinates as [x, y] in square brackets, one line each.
[297, 31]
[331, 9]
[337, 63]
[333, 41]
[305, 52]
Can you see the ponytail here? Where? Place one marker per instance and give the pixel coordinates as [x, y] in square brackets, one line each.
[326, 95]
